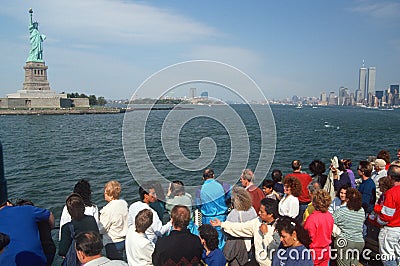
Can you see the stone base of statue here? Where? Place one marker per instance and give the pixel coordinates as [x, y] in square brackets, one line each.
[36, 76]
[36, 91]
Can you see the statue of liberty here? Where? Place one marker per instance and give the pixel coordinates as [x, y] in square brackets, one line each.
[36, 52]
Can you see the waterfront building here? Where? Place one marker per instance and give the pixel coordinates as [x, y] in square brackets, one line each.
[295, 99]
[323, 99]
[352, 99]
[378, 98]
[394, 88]
[392, 95]
[192, 93]
[332, 100]
[344, 96]
[204, 94]
[358, 96]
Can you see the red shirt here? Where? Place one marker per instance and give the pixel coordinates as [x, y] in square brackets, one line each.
[390, 212]
[304, 179]
[319, 226]
[256, 196]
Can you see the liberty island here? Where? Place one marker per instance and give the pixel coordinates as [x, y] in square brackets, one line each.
[36, 97]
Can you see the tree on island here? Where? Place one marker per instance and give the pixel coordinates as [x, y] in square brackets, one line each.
[93, 100]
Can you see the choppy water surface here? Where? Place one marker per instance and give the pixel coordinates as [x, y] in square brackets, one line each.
[45, 156]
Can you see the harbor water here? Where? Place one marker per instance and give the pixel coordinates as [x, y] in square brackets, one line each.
[44, 156]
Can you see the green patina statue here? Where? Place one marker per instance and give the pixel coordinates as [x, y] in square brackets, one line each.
[36, 52]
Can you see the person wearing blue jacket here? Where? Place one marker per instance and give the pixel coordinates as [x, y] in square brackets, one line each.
[367, 187]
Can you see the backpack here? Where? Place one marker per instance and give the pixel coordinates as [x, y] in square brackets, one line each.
[71, 258]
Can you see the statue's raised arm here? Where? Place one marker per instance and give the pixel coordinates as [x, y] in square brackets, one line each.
[36, 39]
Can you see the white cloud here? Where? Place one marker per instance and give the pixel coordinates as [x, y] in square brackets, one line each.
[378, 9]
[109, 22]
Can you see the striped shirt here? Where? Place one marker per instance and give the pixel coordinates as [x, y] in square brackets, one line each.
[350, 223]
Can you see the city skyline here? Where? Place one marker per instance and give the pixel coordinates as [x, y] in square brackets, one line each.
[288, 48]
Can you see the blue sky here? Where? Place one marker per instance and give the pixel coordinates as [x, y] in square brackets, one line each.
[109, 47]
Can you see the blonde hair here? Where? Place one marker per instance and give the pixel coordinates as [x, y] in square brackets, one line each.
[241, 198]
[321, 200]
[113, 189]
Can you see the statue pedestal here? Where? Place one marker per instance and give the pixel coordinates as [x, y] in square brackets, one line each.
[36, 91]
[36, 77]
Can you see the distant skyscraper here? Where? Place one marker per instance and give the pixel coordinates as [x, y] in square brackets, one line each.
[371, 81]
[394, 93]
[379, 95]
[352, 99]
[362, 83]
[394, 89]
[344, 97]
[323, 98]
[332, 98]
[358, 96]
[192, 93]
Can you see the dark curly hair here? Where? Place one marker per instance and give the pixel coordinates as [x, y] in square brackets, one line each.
[294, 184]
[82, 187]
[384, 155]
[210, 235]
[345, 187]
[317, 167]
[289, 225]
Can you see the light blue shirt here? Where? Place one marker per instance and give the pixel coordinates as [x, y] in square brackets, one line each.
[212, 199]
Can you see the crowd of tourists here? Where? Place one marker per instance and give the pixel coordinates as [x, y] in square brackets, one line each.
[322, 218]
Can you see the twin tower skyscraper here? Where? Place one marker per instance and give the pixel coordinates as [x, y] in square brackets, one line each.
[366, 84]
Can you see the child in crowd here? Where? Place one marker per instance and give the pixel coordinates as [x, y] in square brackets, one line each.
[212, 255]
[268, 189]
